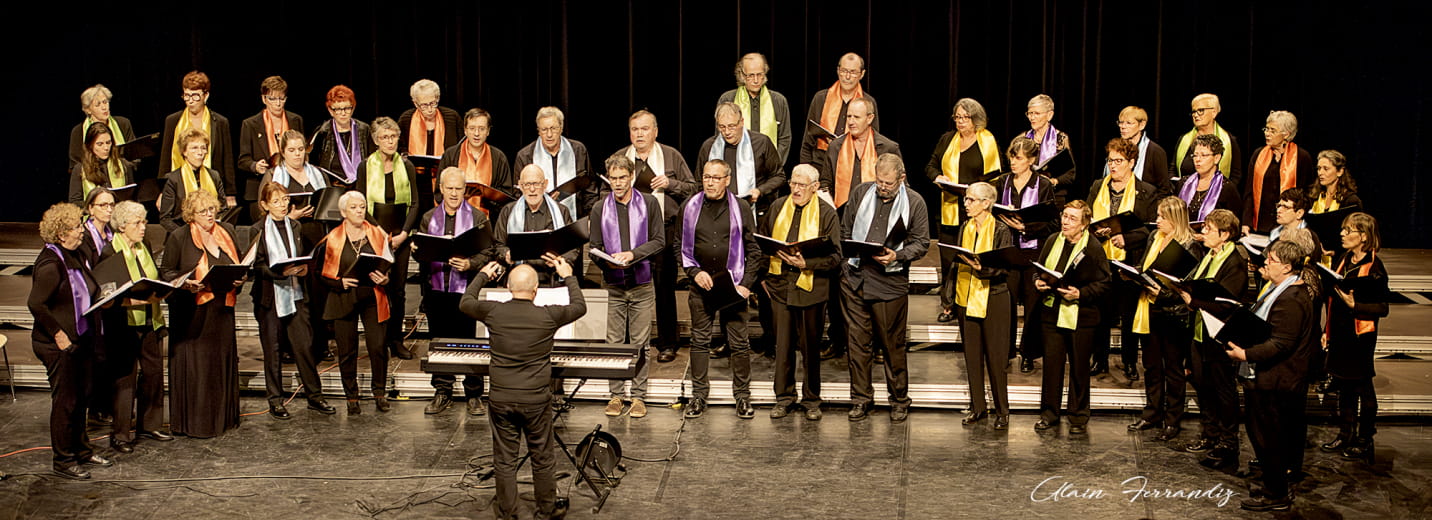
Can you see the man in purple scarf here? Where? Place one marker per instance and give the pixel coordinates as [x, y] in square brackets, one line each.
[718, 250]
[630, 232]
[447, 281]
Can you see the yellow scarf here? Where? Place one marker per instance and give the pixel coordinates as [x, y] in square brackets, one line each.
[116, 176]
[971, 291]
[1225, 164]
[1325, 203]
[176, 156]
[205, 182]
[1068, 311]
[1102, 211]
[767, 108]
[378, 190]
[140, 266]
[1208, 268]
[950, 165]
[1141, 311]
[810, 228]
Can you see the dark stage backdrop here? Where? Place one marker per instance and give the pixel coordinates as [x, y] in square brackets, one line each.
[1351, 71]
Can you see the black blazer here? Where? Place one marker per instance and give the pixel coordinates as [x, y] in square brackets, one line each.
[1229, 198]
[1003, 237]
[1232, 275]
[1065, 178]
[1091, 294]
[325, 146]
[810, 152]
[262, 290]
[171, 201]
[583, 161]
[52, 303]
[1306, 174]
[253, 147]
[77, 185]
[1155, 170]
[1039, 230]
[411, 217]
[682, 183]
[452, 129]
[502, 175]
[1281, 362]
[1145, 207]
[883, 145]
[180, 256]
[935, 168]
[77, 138]
[221, 148]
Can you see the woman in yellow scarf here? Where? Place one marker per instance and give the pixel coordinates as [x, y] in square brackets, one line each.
[191, 176]
[134, 339]
[1120, 192]
[985, 327]
[1335, 188]
[1165, 351]
[965, 155]
[1068, 315]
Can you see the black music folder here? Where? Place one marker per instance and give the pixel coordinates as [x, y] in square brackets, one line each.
[367, 263]
[439, 248]
[141, 289]
[1118, 224]
[818, 246]
[140, 147]
[1057, 165]
[531, 245]
[951, 187]
[390, 217]
[1241, 327]
[1002, 258]
[723, 292]
[1042, 212]
[1205, 289]
[571, 187]
[822, 131]
[1077, 274]
[492, 198]
[428, 162]
[1328, 226]
[1348, 283]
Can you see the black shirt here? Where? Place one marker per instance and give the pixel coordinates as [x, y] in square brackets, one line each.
[521, 336]
[712, 238]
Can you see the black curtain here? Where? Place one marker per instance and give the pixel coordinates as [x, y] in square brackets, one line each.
[1350, 71]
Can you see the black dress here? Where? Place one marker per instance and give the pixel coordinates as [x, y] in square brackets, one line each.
[203, 354]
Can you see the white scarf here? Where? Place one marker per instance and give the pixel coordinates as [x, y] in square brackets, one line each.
[745, 161]
[657, 162]
[566, 169]
[285, 292]
[865, 214]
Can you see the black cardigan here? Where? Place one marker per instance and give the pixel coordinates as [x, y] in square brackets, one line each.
[52, 303]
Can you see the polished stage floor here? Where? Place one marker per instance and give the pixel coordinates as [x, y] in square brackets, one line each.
[928, 467]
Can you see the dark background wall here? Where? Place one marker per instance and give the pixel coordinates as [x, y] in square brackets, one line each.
[1351, 71]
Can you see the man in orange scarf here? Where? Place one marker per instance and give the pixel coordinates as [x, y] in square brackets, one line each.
[850, 160]
[478, 159]
[828, 109]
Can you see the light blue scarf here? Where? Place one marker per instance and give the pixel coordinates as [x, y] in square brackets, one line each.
[285, 292]
[865, 214]
[566, 169]
[745, 161]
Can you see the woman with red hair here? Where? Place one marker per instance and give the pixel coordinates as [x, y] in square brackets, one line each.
[342, 142]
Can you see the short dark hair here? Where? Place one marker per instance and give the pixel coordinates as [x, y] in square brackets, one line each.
[1212, 142]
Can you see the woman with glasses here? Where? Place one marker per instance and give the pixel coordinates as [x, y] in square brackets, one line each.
[1208, 189]
[965, 155]
[262, 137]
[1278, 166]
[1119, 193]
[1205, 110]
[1160, 323]
[196, 116]
[94, 101]
[1350, 335]
[99, 165]
[355, 296]
[1052, 143]
[190, 176]
[99, 206]
[983, 293]
[203, 352]
[1022, 188]
[1152, 166]
[390, 183]
[1068, 315]
[343, 142]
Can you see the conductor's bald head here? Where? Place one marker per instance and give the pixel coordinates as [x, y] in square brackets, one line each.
[522, 281]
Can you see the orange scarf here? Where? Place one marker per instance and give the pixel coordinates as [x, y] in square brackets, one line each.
[226, 244]
[845, 165]
[1360, 326]
[418, 133]
[830, 113]
[1287, 174]
[269, 132]
[333, 255]
[476, 169]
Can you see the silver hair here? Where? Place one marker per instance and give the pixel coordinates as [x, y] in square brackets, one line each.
[424, 86]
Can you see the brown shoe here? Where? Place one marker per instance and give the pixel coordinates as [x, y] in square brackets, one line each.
[614, 407]
[638, 408]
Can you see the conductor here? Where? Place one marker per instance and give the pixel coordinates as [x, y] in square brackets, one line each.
[521, 375]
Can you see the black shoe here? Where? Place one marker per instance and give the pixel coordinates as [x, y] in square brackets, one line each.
[353, 408]
[1168, 434]
[1267, 504]
[279, 411]
[780, 410]
[898, 414]
[1043, 425]
[1078, 429]
[744, 409]
[945, 316]
[381, 403]
[121, 446]
[75, 472]
[695, 408]
[475, 407]
[1359, 449]
[1026, 365]
[1342, 442]
[1220, 458]
[879, 357]
[328, 355]
[286, 358]
[96, 460]
[439, 403]
[1199, 445]
[1141, 425]
[830, 352]
[321, 406]
[1131, 373]
[1001, 422]
[401, 352]
[720, 352]
[812, 413]
[100, 419]
[974, 417]
[156, 435]
[858, 411]
[666, 356]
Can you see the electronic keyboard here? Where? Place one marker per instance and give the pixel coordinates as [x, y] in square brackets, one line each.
[570, 359]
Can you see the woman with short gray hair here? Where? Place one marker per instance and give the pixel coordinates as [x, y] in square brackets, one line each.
[1278, 166]
[94, 102]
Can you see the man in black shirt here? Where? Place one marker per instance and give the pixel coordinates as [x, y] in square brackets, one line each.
[534, 211]
[717, 247]
[521, 372]
[447, 281]
[876, 289]
[756, 168]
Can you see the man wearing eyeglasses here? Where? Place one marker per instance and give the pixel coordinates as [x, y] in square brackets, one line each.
[756, 167]
[1205, 109]
[763, 110]
[436, 130]
[261, 137]
[799, 287]
[828, 109]
[561, 160]
[534, 211]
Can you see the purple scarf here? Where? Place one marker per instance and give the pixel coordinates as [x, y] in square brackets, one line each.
[1190, 188]
[101, 236]
[612, 240]
[735, 251]
[1049, 147]
[1030, 198]
[353, 157]
[79, 290]
[444, 278]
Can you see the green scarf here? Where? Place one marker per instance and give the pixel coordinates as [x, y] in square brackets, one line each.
[768, 111]
[113, 129]
[116, 177]
[1225, 165]
[377, 191]
[1068, 311]
[138, 259]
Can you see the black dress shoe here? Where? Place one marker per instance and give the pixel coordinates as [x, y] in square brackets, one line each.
[1341, 442]
[879, 357]
[1078, 429]
[1199, 445]
[439, 403]
[1168, 434]
[1131, 373]
[1001, 422]
[353, 408]
[1261, 504]
[721, 351]
[381, 403]
[974, 417]
[830, 352]
[1220, 458]
[744, 409]
[96, 460]
[780, 410]
[945, 317]
[1359, 449]
[402, 352]
[328, 355]
[121, 446]
[898, 414]
[99, 419]
[858, 411]
[666, 356]
[1043, 425]
[1141, 425]
[321, 406]
[1026, 365]
[279, 411]
[286, 358]
[156, 435]
[75, 472]
[695, 408]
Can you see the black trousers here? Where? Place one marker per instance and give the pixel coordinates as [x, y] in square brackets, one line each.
[1117, 310]
[316, 293]
[137, 370]
[69, 375]
[1278, 429]
[297, 329]
[1165, 355]
[1061, 346]
[345, 331]
[445, 320]
[667, 337]
[948, 235]
[864, 320]
[511, 423]
[1215, 383]
[797, 329]
[398, 296]
[1357, 404]
[1021, 287]
[987, 344]
[733, 322]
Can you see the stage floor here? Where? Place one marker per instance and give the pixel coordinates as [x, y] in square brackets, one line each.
[927, 467]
